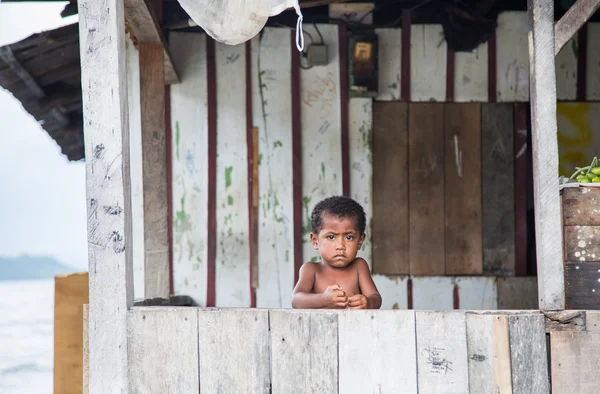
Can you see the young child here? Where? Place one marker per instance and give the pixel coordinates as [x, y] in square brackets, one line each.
[340, 280]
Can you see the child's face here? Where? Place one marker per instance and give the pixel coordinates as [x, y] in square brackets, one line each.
[338, 241]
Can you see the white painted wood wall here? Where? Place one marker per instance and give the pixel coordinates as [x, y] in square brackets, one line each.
[321, 136]
[190, 350]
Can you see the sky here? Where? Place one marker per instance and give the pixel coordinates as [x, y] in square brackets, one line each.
[42, 194]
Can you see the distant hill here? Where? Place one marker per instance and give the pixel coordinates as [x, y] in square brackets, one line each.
[31, 267]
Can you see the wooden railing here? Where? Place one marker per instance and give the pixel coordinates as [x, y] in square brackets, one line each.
[187, 350]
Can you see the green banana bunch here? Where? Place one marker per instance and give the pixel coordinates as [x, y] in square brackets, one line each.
[587, 174]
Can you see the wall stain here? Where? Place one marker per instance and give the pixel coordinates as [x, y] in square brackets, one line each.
[177, 136]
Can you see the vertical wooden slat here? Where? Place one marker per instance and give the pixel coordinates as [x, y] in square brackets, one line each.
[426, 189]
[498, 191]
[390, 188]
[71, 295]
[567, 71]
[512, 60]
[575, 359]
[154, 167]
[232, 194]
[463, 189]
[450, 75]
[528, 355]
[432, 293]
[304, 352]
[190, 167]
[135, 149]
[86, 349]
[322, 170]
[492, 69]
[442, 352]
[230, 362]
[299, 235]
[517, 292]
[548, 231]
[477, 292]
[363, 334]
[164, 344]
[389, 60]
[251, 147]
[489, 354]
[471, 75]
[582, 50]
[406, 59]
[211, 78]
[108, 189]
[344, 103]
[395, 290]
[272, 104]
[169, 148]
[428, 51]
[593, 62]
[520, 163]
[361, 164]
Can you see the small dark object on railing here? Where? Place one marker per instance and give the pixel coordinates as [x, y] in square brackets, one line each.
[179, 300]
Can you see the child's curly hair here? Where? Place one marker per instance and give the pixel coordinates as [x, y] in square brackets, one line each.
[340, 206]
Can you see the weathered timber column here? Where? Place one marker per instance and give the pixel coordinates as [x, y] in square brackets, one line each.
[106, 130]
[548, 231]
[154, 167]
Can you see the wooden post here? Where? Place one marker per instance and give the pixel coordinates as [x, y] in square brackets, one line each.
[154, 168]
[542, 76]
[106, 128]
[572, 21]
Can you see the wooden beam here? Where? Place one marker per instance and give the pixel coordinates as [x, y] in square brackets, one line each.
[146, 28]
[104, 96]
[548, 231]
[154, 168]
[572, 21]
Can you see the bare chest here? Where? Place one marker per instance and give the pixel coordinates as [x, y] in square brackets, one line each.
[348, 280]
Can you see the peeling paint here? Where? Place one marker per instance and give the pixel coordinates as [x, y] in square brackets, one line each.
[228, 172]
[177, 137]
[229, 200]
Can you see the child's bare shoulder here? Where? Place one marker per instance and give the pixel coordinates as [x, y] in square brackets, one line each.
[359, 263]
[310, 267]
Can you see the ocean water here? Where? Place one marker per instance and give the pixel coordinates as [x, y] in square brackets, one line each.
[26, 336]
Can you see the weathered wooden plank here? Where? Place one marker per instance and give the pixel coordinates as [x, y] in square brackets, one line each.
[154, 168]
[512, 57]
[582, 243]
[477, 292]
[86, 350]
[463, 189]
[497, 189]
[389, 61]
[361, 164]
[566, 71]
[442, 352]
[71, 294]
[164, 344]
[517, 292]
[580, 206]
[233, 253]
[304, 352]
[471, 75]
[106, 125]
[426, 190]
[230, 362]
[489, 354]
[390, 198]
[135, 149]
[574, 362]
[428, 49]
[321, 131]
[548, 231]
[145, 26]
[189, 166]
[575, 17]
[565, 321]
[433, 292]
[272, 114]
[582, 285]
[394, 291]
[375, 358]
[593, 62]
[529, 358]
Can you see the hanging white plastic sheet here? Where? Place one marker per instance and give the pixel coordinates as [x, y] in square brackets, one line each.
[233, 22]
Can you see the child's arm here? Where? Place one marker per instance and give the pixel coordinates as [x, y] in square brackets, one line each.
[369, 297]
[304, 298]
